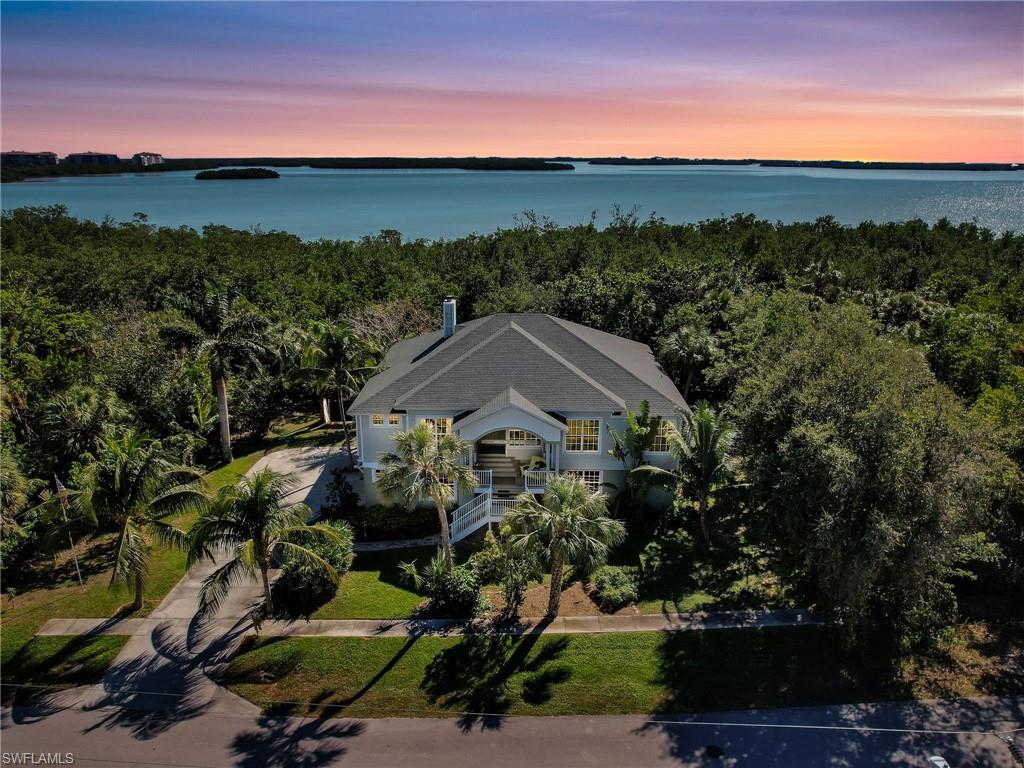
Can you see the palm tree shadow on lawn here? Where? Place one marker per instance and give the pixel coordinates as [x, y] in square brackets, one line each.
[475, 676]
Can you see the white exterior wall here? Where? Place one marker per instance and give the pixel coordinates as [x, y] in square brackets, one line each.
[374, 441]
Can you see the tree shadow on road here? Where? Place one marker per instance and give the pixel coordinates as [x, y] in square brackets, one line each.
[283, 742]
[150, 693]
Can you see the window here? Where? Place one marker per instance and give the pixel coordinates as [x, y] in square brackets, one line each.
[390, 419]
[584, 435]
[518, 438]
[394, 419]
[377, 419]
[592, 477]
[660, 443]
[440, 425]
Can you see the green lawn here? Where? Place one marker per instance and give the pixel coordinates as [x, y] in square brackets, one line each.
[372, 589]
[55, 593]
[587, 674]
[49, 663]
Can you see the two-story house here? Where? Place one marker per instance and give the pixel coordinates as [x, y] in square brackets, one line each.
[534, 395]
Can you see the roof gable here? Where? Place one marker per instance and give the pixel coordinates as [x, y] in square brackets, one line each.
[555, 364]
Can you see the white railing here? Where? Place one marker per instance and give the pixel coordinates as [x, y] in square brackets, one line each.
[499, 507]
[470, 516]
[483, 477]
[538, 478]
[478, 512]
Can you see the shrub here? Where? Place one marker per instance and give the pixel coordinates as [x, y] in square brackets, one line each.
[513, 569]
[453, 593]
[301, 589]
[342, 501]
[489, 562]
[615, 587]
[665, 557]
[378, 522]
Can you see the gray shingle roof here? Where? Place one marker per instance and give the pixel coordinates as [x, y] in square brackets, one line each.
[555, 364]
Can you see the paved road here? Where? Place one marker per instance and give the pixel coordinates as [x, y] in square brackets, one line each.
[216, 736]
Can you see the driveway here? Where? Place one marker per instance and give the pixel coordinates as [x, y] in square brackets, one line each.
[310, 467]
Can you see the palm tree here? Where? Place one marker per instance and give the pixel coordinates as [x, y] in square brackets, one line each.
[427, 466]
[77, 419]
[132, 485]
[14, 493]
[703, 453]
[688, 349]
[227, 337]
[628, 447]
[250, 518]
[338, 359]
[571, 525]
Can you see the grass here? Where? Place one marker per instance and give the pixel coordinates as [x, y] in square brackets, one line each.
[46, 664]
[627, 673]
[372, 589]
[53, 591]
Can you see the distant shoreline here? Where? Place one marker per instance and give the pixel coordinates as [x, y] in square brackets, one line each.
[879, 165]
[24, 173]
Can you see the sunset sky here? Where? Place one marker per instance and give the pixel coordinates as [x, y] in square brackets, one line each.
[872, 81]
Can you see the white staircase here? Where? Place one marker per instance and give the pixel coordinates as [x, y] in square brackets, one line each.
[477, 512]
[503, 469]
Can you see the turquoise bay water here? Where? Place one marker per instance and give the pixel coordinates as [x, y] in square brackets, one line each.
[347, 204]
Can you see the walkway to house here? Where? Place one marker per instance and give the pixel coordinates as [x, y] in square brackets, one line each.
[567, 625]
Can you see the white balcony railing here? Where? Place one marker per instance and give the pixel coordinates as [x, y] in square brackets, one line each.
[537, 478]
[484, 478]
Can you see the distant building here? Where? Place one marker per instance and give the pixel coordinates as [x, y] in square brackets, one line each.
[92, 158]
[147, 158]
[19, 157]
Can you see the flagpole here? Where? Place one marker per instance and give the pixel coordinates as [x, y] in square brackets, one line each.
[62, 492]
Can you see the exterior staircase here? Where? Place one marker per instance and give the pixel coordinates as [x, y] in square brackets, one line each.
[479, 511]
[504, 470]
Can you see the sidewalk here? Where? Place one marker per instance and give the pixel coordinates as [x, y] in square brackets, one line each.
[568, 625]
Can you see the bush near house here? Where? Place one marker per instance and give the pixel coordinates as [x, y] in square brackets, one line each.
[454, 592]
[377, 522]
[301, 588]
[614, 586]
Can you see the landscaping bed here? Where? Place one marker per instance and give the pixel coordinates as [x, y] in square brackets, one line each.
[606, 674]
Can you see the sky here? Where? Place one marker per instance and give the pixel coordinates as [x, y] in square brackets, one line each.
[824, 80]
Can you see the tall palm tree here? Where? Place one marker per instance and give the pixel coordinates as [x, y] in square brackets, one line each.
[702, 450]
[249, 517]
[227, 337]
[339, 360]
[426, 466]
[132, 485]
[571, 525]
